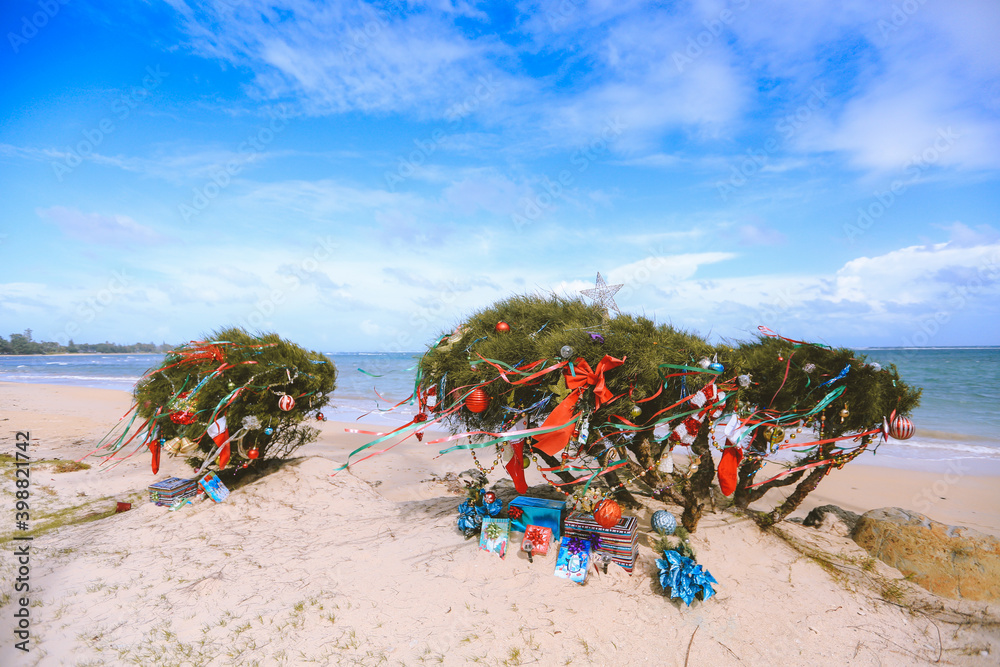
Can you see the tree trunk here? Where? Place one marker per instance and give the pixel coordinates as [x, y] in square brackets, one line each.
[793, 501]
[553, 462]
[622, 495]
[698, 489]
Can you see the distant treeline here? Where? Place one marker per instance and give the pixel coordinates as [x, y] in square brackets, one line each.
[22, 343]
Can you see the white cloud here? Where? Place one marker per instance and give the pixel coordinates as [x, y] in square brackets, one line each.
[97, 228]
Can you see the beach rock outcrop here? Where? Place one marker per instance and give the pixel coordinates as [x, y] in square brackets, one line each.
[831, 519]
[952, 561]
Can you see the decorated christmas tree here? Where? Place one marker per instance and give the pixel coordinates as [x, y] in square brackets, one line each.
[228, 401]
[599, 403]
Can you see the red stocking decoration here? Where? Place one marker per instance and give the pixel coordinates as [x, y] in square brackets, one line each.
[515, 467]
[729, 468]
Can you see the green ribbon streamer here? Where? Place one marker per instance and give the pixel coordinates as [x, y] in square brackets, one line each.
[508, 438]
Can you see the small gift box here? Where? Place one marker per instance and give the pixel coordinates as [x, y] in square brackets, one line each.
[214, 487]
[538, 537]
[167, 491]
[526, 511]
[620, 542]
[495, 536]
[574, 557]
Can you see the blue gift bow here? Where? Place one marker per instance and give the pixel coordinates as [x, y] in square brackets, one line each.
[684, 577]
[469, 517]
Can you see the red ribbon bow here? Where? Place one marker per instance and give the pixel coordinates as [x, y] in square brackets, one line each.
[554, 442]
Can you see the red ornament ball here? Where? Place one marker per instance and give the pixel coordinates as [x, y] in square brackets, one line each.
[491, 497]
[607, 513]
[901, 428]
[420, 417]
[253, 453]
[183, 417]
[502, 326]
[477, 401]
[286, 402]
[320, 417]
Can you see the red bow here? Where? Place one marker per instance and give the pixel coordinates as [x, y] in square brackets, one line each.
[555, 441]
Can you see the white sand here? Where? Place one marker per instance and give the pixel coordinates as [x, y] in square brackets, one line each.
[300, 567]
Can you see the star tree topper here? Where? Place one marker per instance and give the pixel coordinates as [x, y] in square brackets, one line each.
[604, 294]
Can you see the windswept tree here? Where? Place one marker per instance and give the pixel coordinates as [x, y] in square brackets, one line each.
[230, 400]
[600, 402]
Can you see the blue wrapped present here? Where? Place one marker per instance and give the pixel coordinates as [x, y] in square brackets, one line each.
[536, 512]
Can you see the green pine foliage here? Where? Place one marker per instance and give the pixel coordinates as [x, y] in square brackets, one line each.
[786, 383]
[787, 377]
[539, 329]
[238, 375]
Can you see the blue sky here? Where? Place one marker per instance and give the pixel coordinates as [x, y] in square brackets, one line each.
[362, 176]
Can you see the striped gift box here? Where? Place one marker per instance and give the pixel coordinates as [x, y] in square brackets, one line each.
[620, 541]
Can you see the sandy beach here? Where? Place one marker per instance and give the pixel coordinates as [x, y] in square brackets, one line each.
[367, 567]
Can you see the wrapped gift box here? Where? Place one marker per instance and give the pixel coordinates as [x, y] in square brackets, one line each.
[495, 536]
[621, 541]
[168, 491]
[539, 536]
[570, 565]
[538, 512]
[214, 487]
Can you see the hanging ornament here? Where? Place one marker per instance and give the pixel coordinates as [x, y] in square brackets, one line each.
[253, 453]
[715, 365]
[502, 326]
[901, 428]
[184, 417]
[744, 380]
[775, 434]
[268, 431]
[565, 352]
[636, 411]
[286, 402]
[875, 366]
[809, 368]
[607, 513]
[705, 362]
[231, 385]
[477, 401]
[320, 417]
[663, 522]
[844, 414]
[525, 461]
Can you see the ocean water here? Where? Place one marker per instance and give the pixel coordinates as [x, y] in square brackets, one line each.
[958, 419]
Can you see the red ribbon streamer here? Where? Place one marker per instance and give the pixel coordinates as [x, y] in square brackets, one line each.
[556, 441]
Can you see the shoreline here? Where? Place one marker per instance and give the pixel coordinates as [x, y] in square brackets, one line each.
[367, 566]
[956, 492]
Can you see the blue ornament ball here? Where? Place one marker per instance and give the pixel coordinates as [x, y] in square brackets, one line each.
[268, 431]
[716, 366]
[663, 522]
